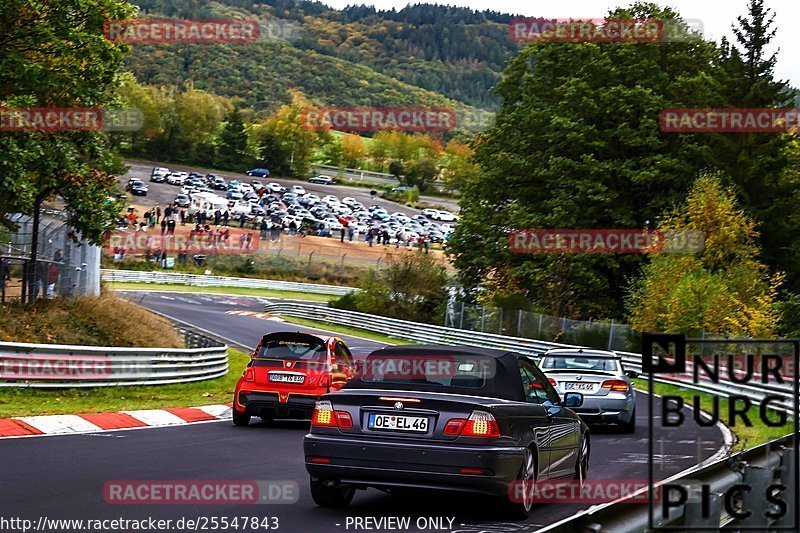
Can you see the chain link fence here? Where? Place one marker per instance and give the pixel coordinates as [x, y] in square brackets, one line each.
[63, 268]
[605, 335]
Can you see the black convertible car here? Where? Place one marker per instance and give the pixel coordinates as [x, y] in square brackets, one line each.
[448, 418]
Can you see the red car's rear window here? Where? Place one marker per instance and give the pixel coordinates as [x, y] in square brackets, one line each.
[293, 350]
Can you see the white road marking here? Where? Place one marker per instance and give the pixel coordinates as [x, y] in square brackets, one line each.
[156, 417]
[59, 424]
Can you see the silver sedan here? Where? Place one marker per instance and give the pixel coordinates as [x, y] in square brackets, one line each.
[606, 386]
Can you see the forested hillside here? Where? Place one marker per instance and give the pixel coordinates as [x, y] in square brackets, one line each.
[356, 56]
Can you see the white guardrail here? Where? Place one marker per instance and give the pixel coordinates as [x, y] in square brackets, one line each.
[431, 334]
[196, 280]
[25, 365]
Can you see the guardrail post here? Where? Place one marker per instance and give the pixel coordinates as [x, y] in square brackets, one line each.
[757, 479]
[610, 333]
[693, 510]
[789, 481]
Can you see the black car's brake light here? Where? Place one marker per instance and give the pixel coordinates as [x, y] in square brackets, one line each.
[479, 424]
[325, 416]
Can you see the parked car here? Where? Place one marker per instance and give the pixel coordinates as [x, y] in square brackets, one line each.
[277, 188]
[609, 396]
[159, 174]
[219, 184]
[258, 172]
[137, 187]
[298, 190]
[322, 180]
[183, 200]
[454, 418]
[444, 216]
[177, 178]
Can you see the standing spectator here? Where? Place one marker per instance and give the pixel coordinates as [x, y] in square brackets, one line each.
[41, 280]
[171, 227]
[420, 239]
[226, 217]
[242, 220]
[354, 233]
[5, 275]
[265, 227]
[122, 251]
[148, 215]
[249, 240]
[163, 226]
[52, 279]
[341, 237]
[217, 217]
[350, 232]
[158, 214]
[116, 254]
[183, 217]
[370, 235]
[164, 259]
[58, 256]
[385, 237]
[292, 228]
[426, 243]
[132, 218]
[241, 240]
[168, 211]
[377, 233]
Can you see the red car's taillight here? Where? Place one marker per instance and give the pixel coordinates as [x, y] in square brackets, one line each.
[479, 424]
[553, 382]
[617, 385]
[249, 374]
[325, 416]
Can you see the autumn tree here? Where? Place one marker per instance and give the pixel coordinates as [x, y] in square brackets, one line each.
[724, 289]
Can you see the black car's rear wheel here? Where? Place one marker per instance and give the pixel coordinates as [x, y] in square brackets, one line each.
[519, 500]
[582, 466]
[239, 419]
[327, 494]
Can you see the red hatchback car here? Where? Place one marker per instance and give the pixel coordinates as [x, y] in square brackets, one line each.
[286, 375]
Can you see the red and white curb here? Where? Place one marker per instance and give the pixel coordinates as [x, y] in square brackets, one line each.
[255, 314]
[30, 426]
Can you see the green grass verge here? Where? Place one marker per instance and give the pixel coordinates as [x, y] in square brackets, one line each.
[746, 437]
[31, 402]
[346, 330]
[222, 290]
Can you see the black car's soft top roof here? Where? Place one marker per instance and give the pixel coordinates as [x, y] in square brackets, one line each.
[506, 384]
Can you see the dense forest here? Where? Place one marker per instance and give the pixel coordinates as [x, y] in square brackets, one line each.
[355, 56]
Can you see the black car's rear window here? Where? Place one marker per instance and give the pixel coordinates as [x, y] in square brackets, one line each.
[438, 372]
[293, 349]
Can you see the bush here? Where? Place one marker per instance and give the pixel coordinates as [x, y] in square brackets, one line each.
[412, 287]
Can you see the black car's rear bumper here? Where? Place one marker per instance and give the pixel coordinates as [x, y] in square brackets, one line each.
[427, 465]
[268, 405]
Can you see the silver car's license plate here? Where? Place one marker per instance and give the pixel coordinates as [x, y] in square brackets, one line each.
[398, 423]
[572, 385]
[287, 378]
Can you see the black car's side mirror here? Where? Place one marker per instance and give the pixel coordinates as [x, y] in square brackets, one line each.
[632, 374]
[573, 399]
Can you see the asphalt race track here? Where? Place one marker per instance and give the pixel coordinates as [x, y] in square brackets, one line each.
[61, 477]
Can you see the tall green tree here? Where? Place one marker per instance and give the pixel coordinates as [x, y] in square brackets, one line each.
[577, 144]
[757, 162]
[285, 142]
[53, 54]
[232, 145]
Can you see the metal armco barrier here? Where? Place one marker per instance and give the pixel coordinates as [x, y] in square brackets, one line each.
[196, 280]
[757, 468]
[428, 333]
[25, 365]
